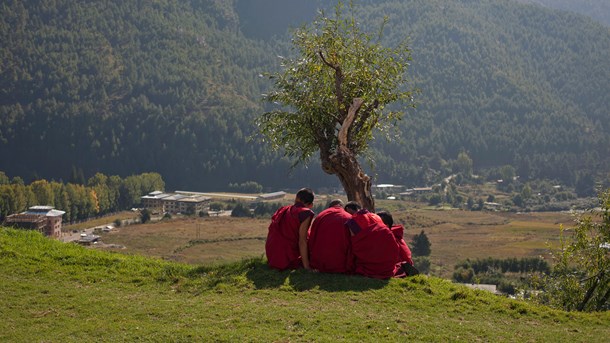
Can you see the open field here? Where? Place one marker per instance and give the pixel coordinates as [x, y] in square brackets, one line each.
[194, 240]
[458, 235]
[455, 235]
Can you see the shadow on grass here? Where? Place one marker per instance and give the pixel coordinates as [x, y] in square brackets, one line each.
[264, 277]
[257, 273]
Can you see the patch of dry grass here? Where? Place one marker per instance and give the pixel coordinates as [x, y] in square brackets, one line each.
[230, 239]
[455, 236]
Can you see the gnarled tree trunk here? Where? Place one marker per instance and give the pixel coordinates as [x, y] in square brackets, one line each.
[356, 183]
[343, 163]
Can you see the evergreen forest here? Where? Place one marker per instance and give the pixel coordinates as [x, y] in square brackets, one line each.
[173, 87]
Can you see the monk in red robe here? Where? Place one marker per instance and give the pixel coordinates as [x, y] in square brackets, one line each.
[329, 240]
[286, 245]
[404, 253]
[374, 247]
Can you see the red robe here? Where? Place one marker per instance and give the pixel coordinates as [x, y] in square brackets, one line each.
[404, 253]
[374, 247]
[329, 241]
[282, 245]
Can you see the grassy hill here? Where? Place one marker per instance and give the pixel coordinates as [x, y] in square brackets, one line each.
[57, 292]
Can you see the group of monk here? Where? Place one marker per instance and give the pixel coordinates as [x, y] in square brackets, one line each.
[341, 239]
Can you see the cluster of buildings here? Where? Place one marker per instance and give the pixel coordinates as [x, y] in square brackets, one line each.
[178, 202]
[48, 221]
[44, 219]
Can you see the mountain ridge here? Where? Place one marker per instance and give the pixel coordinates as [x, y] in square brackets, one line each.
[175, 88]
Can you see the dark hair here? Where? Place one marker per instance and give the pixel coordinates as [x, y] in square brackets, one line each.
[387, 218]
[353, 205]
[335, 202]
[305, 195]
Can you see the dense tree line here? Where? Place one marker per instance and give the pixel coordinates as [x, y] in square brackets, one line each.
[101, 194]
[507, 265]
[173, 86]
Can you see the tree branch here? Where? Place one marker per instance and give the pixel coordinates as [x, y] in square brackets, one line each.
[589, 293]
[364, 116]
[342, 136]
[338, 83]
[602, 301]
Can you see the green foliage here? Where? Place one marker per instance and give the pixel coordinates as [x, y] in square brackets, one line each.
[217, 206]
[464, 164]
[241, 210]
[506, 265]
[435, 199]
[420, 246]
[266, 209]
[422, 263]
[580, 278]
[101, 195]
[246, 187]
[597, 9]
[507, 274]
[145, 215]
[335, 64]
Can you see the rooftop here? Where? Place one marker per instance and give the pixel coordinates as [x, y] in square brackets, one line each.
[48, 211]
[40, 208]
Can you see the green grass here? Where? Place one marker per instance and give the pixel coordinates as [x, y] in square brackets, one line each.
[56, 292]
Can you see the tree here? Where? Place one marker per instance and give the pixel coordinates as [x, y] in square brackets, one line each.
[518, 200]
[240, 210]
[4, 180]
[585, 184]
[526, 192]
[580, 278]
[145, 215]
[43, 192]
[421, 245]
[464, 164]
[335, 92]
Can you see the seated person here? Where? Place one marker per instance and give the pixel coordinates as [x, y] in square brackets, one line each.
[404, 253]
[329, 240]
[286, 245]
[374, 248]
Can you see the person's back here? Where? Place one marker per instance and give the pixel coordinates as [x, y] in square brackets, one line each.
[404, 253]
[374, 247]
[287, 235]
[329, 240]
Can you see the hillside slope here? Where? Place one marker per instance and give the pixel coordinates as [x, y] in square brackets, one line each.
[60, 292]
[507, 83]
[172, 87]
[596, 9]
[125, 87]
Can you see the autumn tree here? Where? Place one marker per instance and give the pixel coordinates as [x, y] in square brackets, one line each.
[334, 95]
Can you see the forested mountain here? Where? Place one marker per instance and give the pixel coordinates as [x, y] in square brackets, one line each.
[507, 83]
[596, 9]
[127, 87]
[172, 87]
